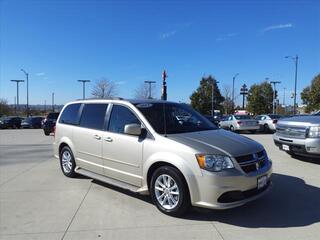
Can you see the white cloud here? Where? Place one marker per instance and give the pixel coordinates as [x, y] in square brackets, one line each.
[40, 74]
[279, 26]
[120, 82]
[226, 36]
[168, 34]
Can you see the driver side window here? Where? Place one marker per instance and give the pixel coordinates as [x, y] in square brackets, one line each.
[121, 116]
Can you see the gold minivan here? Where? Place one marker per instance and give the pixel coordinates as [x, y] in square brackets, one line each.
[164, 149]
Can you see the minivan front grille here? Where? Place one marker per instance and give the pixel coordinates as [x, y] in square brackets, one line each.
[291, 131]
[252, 162]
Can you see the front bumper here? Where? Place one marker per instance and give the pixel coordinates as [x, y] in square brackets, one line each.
[307, 146]
[212, 189]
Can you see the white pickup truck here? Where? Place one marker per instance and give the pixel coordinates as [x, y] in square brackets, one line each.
[299, 135]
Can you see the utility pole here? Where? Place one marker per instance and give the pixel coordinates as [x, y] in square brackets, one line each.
[295, 59]
[274, 96]
[17, 82]
[233, 79]
[284, 97]
[15, 105]
[149, 83]
[243, 92]
[52, 102]
[84, 87]
[27, 78]
[164, 86]
[212, 96]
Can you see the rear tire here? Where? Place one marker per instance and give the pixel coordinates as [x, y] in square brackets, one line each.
[169, 191]
[266, 128]
[231, 128]
[67, 162]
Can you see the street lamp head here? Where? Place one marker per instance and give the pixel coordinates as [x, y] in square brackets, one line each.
[17, 80]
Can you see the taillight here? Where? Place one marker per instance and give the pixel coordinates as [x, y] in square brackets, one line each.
[239, 122]
[274, 121]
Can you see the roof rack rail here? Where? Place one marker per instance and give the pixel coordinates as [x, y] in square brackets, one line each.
[109, 98]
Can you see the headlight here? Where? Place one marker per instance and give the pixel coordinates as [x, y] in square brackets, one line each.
[313, 132]
[214, 163]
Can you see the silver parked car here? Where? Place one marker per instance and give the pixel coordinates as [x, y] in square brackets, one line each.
[237, 123]
[146, 147]
[268, 122]
[299, 135]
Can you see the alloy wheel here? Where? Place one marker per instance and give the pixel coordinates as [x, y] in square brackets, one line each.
[167, 192]
[66, 161]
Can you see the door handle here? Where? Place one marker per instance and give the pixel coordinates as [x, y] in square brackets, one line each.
[97, 137]
[108, 139]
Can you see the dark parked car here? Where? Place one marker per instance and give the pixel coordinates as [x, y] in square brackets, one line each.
[32, 122]
[49, 123]
[10, 122]
[215, 119]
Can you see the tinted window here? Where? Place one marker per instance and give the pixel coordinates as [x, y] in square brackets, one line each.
[93, 116]
[70, 114]
[174, 118]
[241, 117]
[120, 116]
[274, 116]
[53, 116]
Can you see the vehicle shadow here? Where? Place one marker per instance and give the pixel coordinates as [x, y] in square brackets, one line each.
[314, 160]
[145, 198]
[290, 203]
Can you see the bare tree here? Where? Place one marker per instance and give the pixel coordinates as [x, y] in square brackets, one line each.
[104, 88]
[227, 103]
[142, 91]
[4, 107]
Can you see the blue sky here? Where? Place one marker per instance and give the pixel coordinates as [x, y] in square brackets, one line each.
[129, 42]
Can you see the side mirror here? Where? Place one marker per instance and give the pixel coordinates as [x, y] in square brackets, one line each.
[132, 129]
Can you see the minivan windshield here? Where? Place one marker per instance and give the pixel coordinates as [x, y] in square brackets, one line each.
[172, 118]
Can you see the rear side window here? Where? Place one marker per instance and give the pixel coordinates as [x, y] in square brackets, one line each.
[53, 116]
[121, 116]
[93, 116]
[70, 114]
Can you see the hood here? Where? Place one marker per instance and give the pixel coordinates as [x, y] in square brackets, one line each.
[218, 142]
[300, 120]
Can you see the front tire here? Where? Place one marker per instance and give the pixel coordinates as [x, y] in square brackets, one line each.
[67, 162]
[169, 191]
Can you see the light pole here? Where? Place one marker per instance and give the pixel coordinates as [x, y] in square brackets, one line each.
[27, 78]
[274, 96]
[17, 82]
[212, 97]
[233, 79]
[52, 101]
[150, 82]
[295, 59]
[84, 87]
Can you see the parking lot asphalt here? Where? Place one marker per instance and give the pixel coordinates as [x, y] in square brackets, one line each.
[38, 202]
